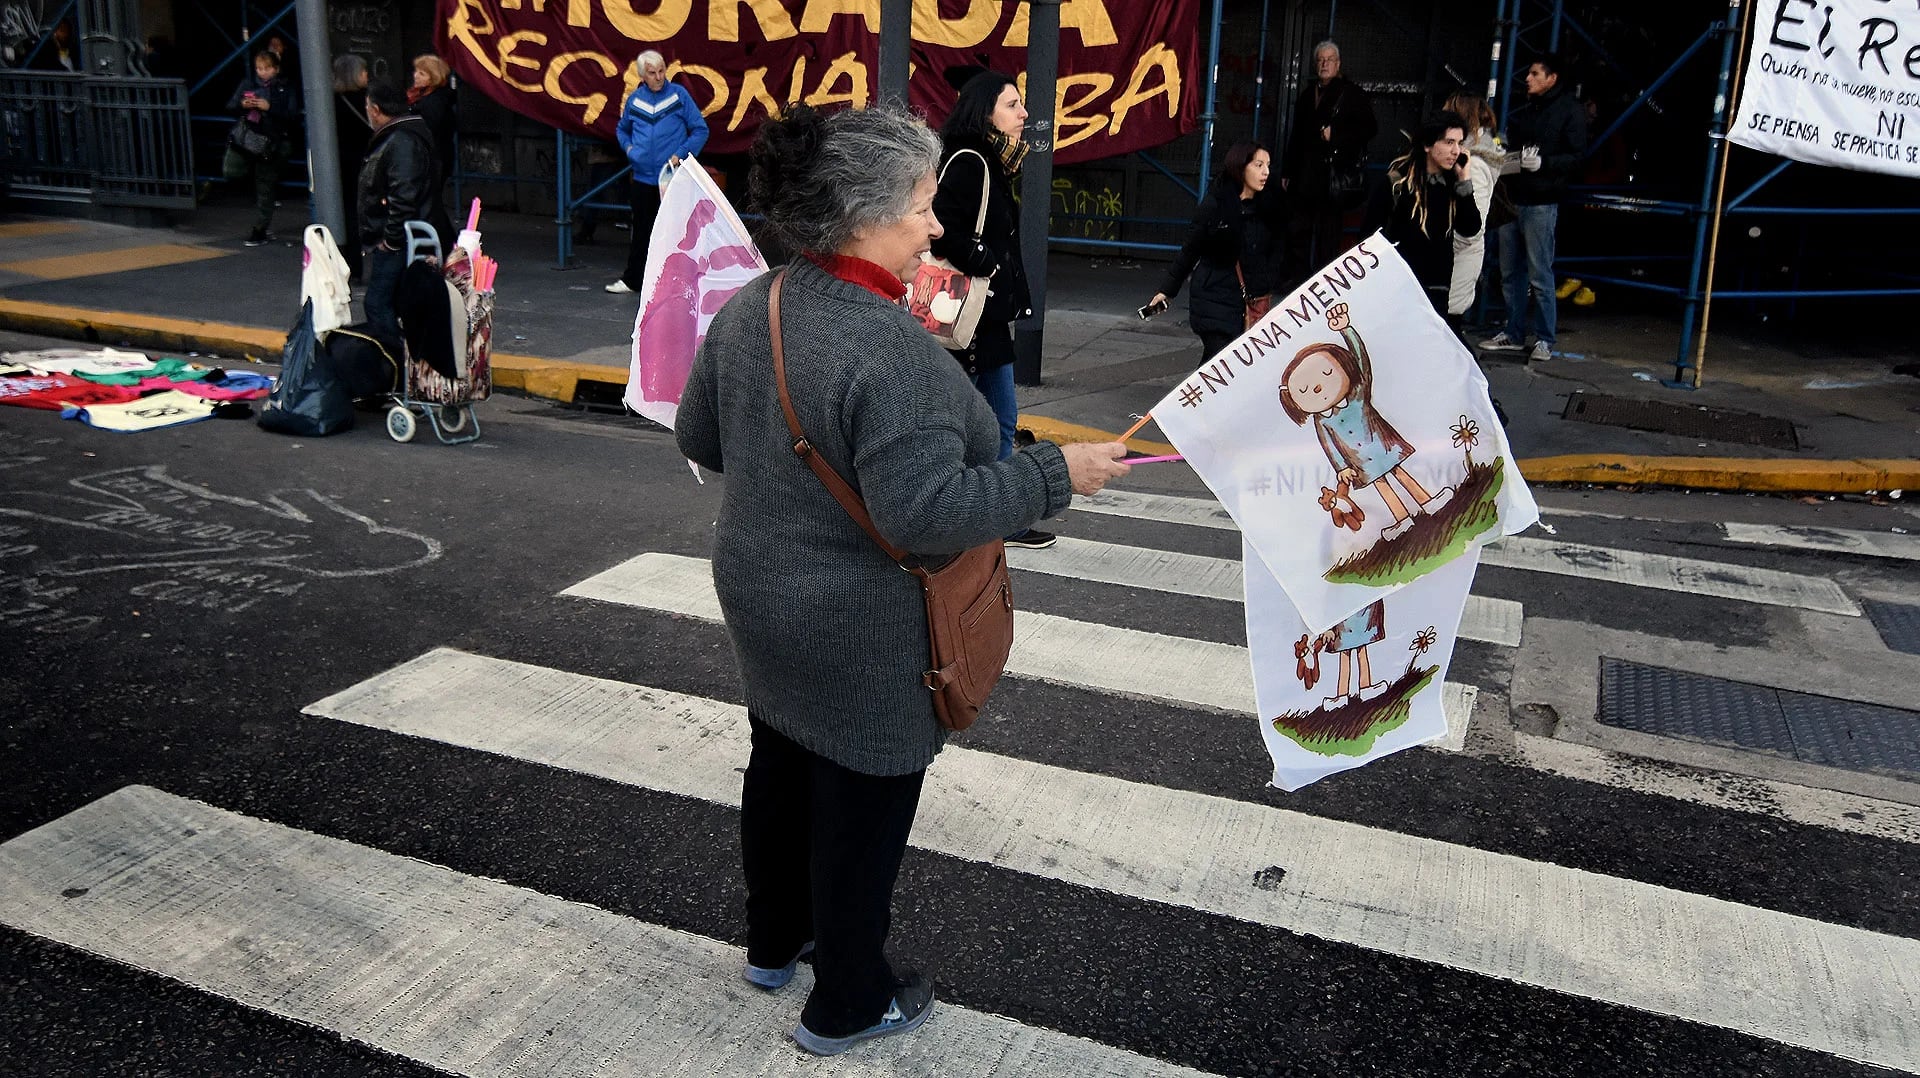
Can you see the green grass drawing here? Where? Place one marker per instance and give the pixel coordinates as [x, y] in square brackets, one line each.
[1352, 729]
[1434, 539]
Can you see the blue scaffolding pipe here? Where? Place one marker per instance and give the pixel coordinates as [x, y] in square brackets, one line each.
[1125, 245]
[1499, 47]
[1686, 372]
[1506, 82]
[1213, 89]
[239, 51]
[1646, 95]
[1168, 173]
[1758, 184]
[1260, 71]
[1553, 39]
[1826, 211]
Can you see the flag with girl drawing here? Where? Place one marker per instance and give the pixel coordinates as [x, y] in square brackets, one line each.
[1350, 435]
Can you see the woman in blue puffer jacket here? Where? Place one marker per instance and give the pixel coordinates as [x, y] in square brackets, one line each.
[659, 126]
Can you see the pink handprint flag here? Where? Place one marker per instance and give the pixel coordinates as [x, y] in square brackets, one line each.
[699, 256]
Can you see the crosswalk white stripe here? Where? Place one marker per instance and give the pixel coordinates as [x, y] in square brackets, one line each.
[1668, 573]
[1488, 620]
[1786, 978]
[469, 975]
[1082, 654]
[1631, 567]
[1838, 540]
[1833, 809]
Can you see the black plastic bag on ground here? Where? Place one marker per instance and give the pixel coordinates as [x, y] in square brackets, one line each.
[307, 401]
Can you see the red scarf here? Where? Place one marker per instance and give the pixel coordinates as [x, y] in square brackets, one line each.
[868, 275]
[415, 93]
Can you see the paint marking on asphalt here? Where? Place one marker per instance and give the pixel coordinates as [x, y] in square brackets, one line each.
[1837, 540]
[1488, 620]
[118, 260]
[20, 230]
[1786, 978]
[1079, 654]
[1631, 567]
[1668, 573]
[1832, 809]
[468, 975]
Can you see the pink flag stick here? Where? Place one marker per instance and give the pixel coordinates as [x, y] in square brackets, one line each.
[1152, 460]
[473, 216]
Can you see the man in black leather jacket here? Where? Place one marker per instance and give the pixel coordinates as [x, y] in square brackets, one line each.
[396, 186]
[1550, 135]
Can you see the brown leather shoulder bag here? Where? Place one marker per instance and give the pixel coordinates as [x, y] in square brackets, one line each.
[969, 599]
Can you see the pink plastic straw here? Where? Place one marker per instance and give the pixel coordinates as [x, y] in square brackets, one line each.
[1152, 460]
[473, 216]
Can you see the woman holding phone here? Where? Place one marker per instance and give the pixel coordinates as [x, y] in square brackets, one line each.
[1232, 252]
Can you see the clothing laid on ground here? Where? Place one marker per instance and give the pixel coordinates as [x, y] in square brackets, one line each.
[168, 408]
[830, 635]
[1230, 237]
[56, 391]
[655, 127]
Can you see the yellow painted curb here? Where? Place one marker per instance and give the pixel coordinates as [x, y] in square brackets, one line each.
[145, 330]
[1049, 429]
[1728, 473]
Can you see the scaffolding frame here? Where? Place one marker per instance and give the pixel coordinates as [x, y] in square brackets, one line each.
[1695, 291]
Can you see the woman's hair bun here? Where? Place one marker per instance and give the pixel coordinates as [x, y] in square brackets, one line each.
[786, 145]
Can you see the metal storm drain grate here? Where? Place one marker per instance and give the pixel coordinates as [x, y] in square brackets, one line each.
[1899, 624]
[1816, 729]
[1686, 420]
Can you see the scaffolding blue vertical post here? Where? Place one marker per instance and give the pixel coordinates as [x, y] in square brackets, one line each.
[1213, 89]
[1333, 16]
[562, 212]
[1553, 35]
[1499, 48]
[1260, 72]
[1686, 374]
[1506, 62]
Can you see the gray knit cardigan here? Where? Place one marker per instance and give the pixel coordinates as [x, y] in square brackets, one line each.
[831, 635]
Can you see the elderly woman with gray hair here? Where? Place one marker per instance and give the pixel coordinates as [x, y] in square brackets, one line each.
[830, 635]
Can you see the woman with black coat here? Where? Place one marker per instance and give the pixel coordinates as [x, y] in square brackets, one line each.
[353, 133]
[1429, 202]
[1233, 251]
[983, 148]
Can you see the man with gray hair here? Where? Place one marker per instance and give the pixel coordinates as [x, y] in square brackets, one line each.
[659, 125]
[1325, 160]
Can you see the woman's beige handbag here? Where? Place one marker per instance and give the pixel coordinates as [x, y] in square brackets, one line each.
[945, 300]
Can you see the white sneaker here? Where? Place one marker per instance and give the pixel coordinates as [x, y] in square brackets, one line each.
[1369, 692]
[1540, 353]
[1334, 703]
[1440, 498]
[619, 288]
[1500, 342]
[1397, 530]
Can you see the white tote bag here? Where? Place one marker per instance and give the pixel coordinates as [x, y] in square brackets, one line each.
[323, 279]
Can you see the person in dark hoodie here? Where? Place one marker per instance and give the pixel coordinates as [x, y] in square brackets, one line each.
[1233, 251]
[353, 133]
[1550, 131]
[1429, 201]
[981, 140]
[396, 186]
[266, 104]
[1332, 123]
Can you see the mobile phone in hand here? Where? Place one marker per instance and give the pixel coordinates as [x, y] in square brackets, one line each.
[1152, 309]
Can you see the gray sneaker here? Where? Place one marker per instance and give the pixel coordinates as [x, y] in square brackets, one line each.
[912, 1003]
[1540, 353]
[1500, 342]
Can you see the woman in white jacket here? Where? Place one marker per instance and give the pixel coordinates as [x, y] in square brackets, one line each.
[1485, 155]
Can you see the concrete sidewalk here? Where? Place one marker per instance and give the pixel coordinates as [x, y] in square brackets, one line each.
[1855, 421]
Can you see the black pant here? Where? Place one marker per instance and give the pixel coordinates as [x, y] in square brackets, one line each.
[1213, 343]
[383, 276]
[1313, 238]
[645, 200]
[822, 846]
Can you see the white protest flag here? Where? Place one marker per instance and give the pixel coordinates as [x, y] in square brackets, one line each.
[1351, 437]
[699, 256]
[1371, 685]
[1835, 84]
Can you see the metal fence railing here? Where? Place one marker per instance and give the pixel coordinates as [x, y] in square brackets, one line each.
[110, 140]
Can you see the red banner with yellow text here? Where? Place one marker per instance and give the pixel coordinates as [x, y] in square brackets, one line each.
[1128, 68]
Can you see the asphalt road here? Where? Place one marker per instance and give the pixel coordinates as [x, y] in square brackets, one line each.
[171, 601]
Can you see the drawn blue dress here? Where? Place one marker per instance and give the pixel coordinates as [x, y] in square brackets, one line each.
[1365, 626]
[1353, 434]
